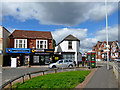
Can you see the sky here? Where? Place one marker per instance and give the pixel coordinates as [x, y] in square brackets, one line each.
[84, 20]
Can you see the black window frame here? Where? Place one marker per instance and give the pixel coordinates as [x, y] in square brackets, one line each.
[69, 44]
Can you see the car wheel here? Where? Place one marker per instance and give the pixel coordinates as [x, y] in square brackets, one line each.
[54, 66]
[70, 66]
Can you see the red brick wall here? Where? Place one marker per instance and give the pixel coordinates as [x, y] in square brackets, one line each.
[11, 43]
[31, 43]
[50, 44]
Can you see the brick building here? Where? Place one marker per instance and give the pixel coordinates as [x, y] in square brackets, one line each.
[101, 50]
[32, 46]
[4, 43]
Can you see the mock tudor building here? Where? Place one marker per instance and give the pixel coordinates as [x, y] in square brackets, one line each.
[32, 46]
[69, 48]
[4, 43]
[101, 50]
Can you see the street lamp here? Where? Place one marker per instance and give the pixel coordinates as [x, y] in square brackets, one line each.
[107, 36]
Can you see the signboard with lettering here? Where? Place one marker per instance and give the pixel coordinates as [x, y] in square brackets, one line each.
[18, 50]
[42, 50]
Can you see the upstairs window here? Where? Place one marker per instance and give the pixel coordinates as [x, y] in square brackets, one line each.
[41, 44]
[20, 43]
[69, 44]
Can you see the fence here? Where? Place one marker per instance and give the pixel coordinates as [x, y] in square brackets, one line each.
[22, 77]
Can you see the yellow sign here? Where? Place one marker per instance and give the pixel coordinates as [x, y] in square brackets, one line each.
[49, 51]
[56, 58]
[33, 50]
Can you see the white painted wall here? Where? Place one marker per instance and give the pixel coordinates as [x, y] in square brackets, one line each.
[63, 47]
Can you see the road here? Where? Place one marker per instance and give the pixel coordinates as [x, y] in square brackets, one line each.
[11, 73]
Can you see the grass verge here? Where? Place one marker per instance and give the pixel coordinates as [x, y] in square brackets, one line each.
[56, 80]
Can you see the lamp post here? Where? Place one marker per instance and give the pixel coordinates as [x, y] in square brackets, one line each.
[107, 35]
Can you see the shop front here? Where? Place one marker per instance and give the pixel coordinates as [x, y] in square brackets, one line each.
[41, 56]
[21, 55]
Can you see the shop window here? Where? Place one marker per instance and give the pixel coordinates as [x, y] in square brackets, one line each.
[35, 59]
[20, 43]
[41, 44]
[69, 56]
[69, 44]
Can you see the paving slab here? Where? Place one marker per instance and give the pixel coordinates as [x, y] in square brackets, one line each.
[103, 78]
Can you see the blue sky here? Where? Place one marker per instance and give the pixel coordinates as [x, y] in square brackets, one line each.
[52, 17]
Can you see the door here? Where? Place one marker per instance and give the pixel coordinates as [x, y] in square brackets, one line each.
[65, 63]
[42, 60]
[60, 64]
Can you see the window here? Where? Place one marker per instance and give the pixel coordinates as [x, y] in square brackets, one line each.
[35, 59]
[41, 44]
[20, 43]
[60, 61]
[69, 44]
[70, 61]
[69, 56]
[65, 61]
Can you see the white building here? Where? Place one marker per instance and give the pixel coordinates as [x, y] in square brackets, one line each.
[69, 48]
[4, 42]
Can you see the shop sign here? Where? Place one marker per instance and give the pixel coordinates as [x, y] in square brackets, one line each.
[49, 50]
[37, 50]
[42, 50]
[18, 50]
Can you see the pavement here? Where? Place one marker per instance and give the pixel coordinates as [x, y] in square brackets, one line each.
[103, 78]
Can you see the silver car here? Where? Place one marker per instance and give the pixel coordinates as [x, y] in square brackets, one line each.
[62, 63]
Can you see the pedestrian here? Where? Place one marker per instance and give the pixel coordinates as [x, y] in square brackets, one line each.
[74, 63]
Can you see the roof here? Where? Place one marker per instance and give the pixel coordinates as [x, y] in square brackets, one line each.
[4, 28]
[109, 43]
[69, 38]
[31, 34]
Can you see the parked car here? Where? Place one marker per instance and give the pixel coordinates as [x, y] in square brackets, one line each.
[62, 63]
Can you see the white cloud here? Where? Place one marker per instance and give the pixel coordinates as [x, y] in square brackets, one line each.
[86, 44]
[58, 13]
[60, 34]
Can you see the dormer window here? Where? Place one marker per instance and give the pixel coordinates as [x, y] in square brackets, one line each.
[69, 44]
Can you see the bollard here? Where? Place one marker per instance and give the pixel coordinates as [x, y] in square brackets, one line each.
[62, 69]
[43, 72]
[10, 85]
[23, 78]
[55, 70]
[29, 76]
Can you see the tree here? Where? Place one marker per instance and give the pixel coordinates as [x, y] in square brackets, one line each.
[54, 44]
